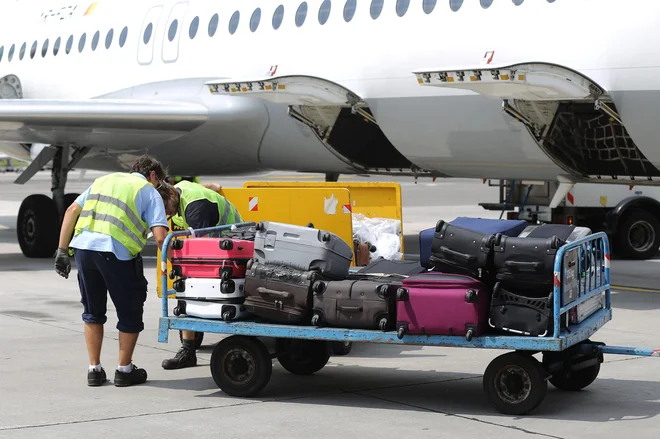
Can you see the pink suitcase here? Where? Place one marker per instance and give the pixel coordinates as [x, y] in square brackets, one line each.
[211, 257]
[442, 304]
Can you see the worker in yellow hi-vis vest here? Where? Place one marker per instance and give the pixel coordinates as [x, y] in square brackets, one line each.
[197, 206]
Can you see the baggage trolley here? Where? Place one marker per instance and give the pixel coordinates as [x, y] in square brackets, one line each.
[514, 383]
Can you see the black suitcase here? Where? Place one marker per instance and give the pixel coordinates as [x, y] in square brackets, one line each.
[461, 251]
[519, 314]
[278, 293]
[385, 266]
[526, 263]
[360, 302]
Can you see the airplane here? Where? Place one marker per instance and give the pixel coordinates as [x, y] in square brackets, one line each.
[492, 89]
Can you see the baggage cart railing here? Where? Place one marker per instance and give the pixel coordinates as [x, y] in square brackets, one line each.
[593, 275]
[189, 232]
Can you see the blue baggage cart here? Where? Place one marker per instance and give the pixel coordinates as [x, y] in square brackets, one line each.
[514, 383]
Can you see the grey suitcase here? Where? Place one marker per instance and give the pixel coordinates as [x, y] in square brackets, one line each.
[303, 248]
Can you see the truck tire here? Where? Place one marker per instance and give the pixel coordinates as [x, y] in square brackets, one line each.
[638, 235]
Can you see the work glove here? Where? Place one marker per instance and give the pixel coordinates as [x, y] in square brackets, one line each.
[62, 263]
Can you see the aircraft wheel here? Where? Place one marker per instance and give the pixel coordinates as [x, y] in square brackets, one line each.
[37, 226]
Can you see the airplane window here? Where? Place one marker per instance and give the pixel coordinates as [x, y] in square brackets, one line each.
[278, 15]
[486, 3]
[173, 28]
[108, 38]
[56, 46]
[2, 52]
[428, 6]
[95, 39]
[122, 36]
[324, 12]
[147, 33]
[402, 7]
[10, 55]
[33, 50]
[255, 19]
[213, 25]
[233, 22]
[44, 49]
[349, 10]
[81, 43]
[301, 14]
[376, 8]
[518, 2]
[194, 25]
[455, 5]
[69, 44]
[21, 54]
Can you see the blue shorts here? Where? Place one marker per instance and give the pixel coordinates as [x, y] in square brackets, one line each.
[100, 273]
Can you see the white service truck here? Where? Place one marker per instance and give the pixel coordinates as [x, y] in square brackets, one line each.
[629, 214]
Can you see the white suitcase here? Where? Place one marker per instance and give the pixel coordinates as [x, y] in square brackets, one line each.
[197, 288]
[303, 248]
[216, 310]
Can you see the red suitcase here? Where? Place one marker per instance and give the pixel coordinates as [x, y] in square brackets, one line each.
[211, 257]
[442, 304]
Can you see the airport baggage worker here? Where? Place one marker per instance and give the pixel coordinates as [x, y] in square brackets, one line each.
[197, 206]
[111, 221]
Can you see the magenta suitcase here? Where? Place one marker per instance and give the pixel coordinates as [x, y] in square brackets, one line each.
[211, 257]
[442, 304]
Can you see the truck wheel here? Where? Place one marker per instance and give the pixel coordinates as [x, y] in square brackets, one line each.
[638, 236]
[302, 357]
[341, 347]
[241, 366]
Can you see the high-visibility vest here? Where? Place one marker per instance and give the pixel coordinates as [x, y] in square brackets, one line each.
[190, 192]
[110, 209]
[179, 178]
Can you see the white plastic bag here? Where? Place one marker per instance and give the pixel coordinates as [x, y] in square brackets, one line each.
[383, 233]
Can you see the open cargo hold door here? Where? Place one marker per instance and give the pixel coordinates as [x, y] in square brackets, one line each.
[573, 119]
[339, 118]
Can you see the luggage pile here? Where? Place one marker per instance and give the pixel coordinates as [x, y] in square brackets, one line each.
[474, 276]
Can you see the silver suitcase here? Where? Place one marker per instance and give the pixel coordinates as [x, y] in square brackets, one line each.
[209, 289]
[302, 248]
[585, 309]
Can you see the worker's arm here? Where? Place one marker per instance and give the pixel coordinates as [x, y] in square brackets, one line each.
[68, 224]
[213, 186]
[160, 233]
[155, 217]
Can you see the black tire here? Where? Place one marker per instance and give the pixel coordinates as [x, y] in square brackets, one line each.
[38, 226]
[571, 380]
[199, 337]
[638, 235]
[302, 357]
[241, 366]
[341, 347]
[514, 383]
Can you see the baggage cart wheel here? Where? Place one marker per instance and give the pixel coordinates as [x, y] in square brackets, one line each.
[515, 383]
[567, 379]
[199, 336]
[302, 357]
[241, 366]
[341, 347]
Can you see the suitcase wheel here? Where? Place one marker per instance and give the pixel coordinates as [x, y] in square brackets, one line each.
[498, 239]
[382, 290]
[401, 332]
[227, 286]
[226, 244]
[179, 286]
[225, 273]
[439, 225]
[310, 225]
[249, 264]
[318, 287]
[402, 295]
[325, 237]
[316, 320]
[468, 335]
[176, 271]
[180, 308]
[471, 296]
[177, 244]
[260, 226]
[382, 325]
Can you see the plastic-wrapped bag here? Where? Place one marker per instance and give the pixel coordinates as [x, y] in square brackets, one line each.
[383, 233]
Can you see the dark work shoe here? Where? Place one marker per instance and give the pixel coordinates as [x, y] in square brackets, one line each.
[125, 379]
[184, 358]
[96, 378]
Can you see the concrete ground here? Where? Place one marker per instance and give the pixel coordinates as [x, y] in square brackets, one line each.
[376, 391]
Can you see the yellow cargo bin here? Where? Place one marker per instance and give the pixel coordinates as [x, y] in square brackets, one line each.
[373, 200]
[293, 205]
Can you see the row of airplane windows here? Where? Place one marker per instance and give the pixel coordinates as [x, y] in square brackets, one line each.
[301, 14]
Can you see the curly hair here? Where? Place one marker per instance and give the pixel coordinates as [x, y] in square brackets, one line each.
[145, 164]
[165, 191]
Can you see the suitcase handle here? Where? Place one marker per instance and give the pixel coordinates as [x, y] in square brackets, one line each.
[268, 292]
[521, 264]
[457, 254]
[349, 308]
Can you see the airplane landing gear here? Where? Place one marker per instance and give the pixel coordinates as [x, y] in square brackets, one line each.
[40, 217]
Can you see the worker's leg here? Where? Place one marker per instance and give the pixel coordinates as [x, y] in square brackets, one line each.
[128, 291]
[186, 356]
[93, 296]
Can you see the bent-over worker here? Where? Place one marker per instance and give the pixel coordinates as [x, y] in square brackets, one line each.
[197, 206]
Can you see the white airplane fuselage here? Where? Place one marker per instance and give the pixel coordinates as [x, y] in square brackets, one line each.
[445, 132]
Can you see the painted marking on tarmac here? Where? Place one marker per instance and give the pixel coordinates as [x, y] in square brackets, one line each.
[638, 290]
[3, 227]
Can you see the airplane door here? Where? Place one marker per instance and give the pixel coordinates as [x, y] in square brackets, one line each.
[148, 35]
[173, 30]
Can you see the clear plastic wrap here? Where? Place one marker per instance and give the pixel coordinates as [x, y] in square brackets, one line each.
[383, 233]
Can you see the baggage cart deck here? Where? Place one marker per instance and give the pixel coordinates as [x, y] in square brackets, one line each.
[515, 383]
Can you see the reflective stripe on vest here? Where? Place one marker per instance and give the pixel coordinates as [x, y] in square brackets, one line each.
[110, 209]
